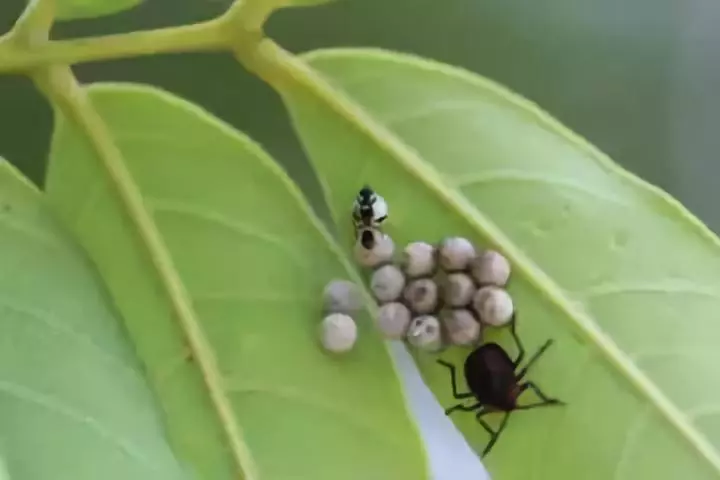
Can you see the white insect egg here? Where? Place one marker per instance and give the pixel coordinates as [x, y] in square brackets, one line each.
[393, 320]
[458, 289]
[493, 305]
[421, 295]
[491, 268]
[460, 326]
[456, 253]
[381, 251]
[342, 296]
[418, 259]
[387, 283]
[424, 333]
[338, 333]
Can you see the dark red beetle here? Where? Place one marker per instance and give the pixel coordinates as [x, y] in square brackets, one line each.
[491, 376]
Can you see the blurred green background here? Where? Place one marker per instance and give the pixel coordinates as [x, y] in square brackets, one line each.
[635, 77]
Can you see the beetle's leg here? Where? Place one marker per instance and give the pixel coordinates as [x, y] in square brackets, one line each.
[478, 417]
[459, 396]
[463, 408]
[545, 400]
[521, 350]
[494, 434]
[533, 359]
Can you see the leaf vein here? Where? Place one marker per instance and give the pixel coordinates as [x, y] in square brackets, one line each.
[631, 438]
[468, 181]
[54, 405]
[351, 417]
[241, 296]
[33, 233]
[669, 288]
[688, 352]
[708, 410]
[238, 228]
[426, 110]
[58, 327]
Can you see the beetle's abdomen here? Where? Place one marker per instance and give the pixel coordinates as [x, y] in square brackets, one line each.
[490, 376]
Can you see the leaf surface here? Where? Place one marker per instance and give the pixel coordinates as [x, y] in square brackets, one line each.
[218, 265]
[296, 3]
[79, 9]
[621, 277]
[74, 402]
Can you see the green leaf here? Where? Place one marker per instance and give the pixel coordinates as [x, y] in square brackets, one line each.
[74, 403]
[308, 3]
[218, 264]
[619, 274]
[300, 3]
[77, 9]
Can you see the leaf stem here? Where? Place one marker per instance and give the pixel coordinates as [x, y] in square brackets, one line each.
[33, 26]
[63, 90]
[26, 47]
[206, 36]
[251, 14]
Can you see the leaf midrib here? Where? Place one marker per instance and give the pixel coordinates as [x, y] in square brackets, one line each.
[284, 72]
[73, 102]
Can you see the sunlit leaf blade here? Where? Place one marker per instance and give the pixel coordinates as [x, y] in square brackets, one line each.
[77, 9]
[623, 278]
[253, 261]
[299, 3]
[4, 475]
[309, 3]
[74, 402]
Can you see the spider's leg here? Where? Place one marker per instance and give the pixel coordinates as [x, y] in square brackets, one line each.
[459, 396]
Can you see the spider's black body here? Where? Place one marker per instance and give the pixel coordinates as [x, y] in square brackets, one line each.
[369, 209]
[495, 384]
[365, 200]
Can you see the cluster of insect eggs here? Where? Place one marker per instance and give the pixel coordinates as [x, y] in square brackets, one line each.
[436, 295]
[432, 296]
